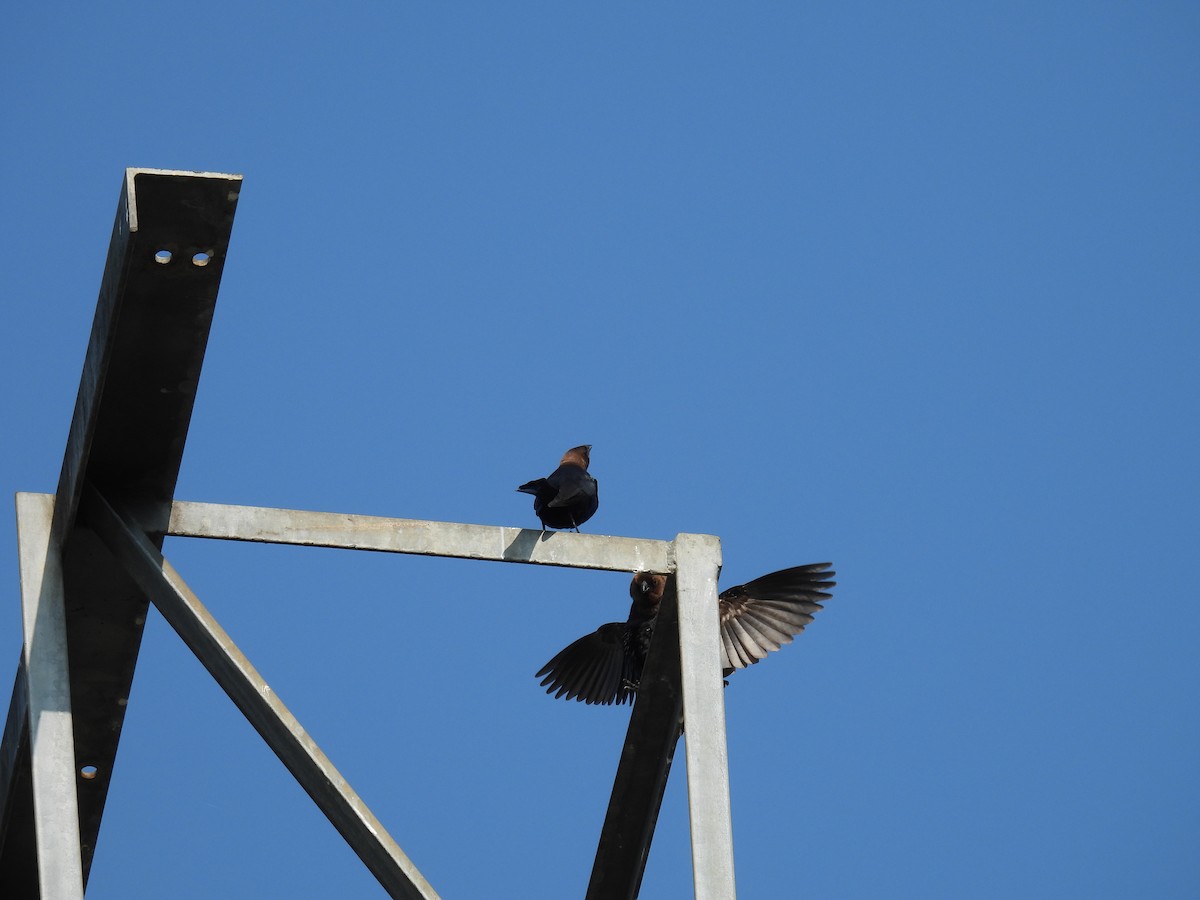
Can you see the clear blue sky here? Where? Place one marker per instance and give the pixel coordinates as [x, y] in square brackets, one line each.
[908, 287]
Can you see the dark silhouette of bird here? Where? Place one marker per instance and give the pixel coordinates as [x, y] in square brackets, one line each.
[757, 617]
[569, 496]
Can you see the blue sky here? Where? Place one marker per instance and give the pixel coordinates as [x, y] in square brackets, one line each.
[909, 288]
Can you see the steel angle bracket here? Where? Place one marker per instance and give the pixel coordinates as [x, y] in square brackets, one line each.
[261, 706]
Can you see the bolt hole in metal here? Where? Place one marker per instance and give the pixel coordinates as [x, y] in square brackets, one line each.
[162, 257]
[202, 258]
[88, 772]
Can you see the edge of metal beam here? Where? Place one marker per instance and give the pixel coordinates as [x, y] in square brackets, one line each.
[699, 561]
[16, 734]
[48, 682]
[417, 536]
[132, 172]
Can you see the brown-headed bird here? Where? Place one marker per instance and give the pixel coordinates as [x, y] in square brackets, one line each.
[756, 618]
[569, 496]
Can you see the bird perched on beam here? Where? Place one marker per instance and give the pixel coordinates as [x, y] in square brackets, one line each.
[569, 496]
[757, 617]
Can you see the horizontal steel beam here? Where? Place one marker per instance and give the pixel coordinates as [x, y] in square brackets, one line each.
[354, 532]
[655, 724]
[254, 697]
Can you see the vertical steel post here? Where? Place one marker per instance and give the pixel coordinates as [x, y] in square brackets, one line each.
[698, 561]
[51, 735]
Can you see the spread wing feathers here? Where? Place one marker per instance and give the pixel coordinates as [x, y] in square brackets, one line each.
[764, 614]
[593, 669]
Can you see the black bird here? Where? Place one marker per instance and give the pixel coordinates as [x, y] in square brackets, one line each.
[569, 496]
[757, 617]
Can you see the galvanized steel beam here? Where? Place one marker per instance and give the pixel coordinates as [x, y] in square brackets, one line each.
[681, 685]
[254, 697]
[641, 779]
[51, 740]
[126, 436]
[698, 557]
[147, 342]
[353, 532]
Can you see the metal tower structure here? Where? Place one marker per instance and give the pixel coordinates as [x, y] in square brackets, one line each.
[91, 563]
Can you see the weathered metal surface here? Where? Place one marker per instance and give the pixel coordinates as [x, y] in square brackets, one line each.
[641, 779]
[51, 741]
[354, 532]
[147, 341]
[254, 697]
[127, 435]
[698, 558]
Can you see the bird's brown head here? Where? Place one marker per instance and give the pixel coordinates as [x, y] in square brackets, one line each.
[647, 592]
[578, 456]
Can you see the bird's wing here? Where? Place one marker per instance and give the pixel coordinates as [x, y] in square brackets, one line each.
[766, 613]
[572, 489]
[593, 669]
